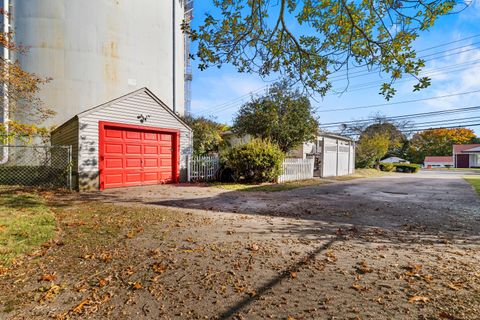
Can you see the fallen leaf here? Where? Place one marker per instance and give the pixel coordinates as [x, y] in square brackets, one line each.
[47, 277]
[454, 286]
[293, 274]
[159, 267]
[80, 306]
[418, 299]
[358, 287]
[50, 292]
[330, 256]
[136, 285]
[102, 282]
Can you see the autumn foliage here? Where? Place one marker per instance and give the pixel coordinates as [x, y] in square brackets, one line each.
[438, 142]
[24, 106]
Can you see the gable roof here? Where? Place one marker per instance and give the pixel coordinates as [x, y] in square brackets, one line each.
[474, 149]
[394, 158]
[128, 95]
[459, 148]
[445, 159]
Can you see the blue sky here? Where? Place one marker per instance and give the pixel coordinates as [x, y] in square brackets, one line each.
[218, 93]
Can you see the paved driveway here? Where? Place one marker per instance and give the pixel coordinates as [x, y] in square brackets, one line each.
[397, 247]
[430, 201]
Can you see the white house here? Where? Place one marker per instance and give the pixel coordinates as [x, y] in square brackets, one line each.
[394, 160]
[438, 162]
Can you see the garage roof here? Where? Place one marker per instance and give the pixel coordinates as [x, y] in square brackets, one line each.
[444, 159]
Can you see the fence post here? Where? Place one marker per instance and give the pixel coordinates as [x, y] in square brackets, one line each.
[188, 168]
[70, 164]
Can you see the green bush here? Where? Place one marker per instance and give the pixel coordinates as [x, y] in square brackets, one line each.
[386, 166]
[407, 167]
[255, 161]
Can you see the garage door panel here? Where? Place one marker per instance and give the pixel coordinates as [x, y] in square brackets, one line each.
[153, 177]
[133, 163]
[133, 135]
[114, 179]
[151, 149]
[114, 163]
[133, 157]
[150, 136]
[166, 137]
[133, 149]
[151, 163]
[166, 150]
[133, 178]
[113, 133]
[165, 163]
[113, 148]
[166, 176]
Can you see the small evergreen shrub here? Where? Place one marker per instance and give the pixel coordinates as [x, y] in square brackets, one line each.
[256, 161]
[385, 166]
[407, 167]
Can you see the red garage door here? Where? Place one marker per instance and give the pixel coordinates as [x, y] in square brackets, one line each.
[135, 156]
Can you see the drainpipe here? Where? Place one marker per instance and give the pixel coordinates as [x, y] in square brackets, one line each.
[6, 103]
[174, 67]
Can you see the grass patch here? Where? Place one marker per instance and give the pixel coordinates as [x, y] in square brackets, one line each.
[25, 223]
[475, 182]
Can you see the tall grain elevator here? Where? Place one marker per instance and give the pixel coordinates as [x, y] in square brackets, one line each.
[97, 50]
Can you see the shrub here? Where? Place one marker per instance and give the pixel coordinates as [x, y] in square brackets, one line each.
[385, 166]
[255, 161]
[407, 167]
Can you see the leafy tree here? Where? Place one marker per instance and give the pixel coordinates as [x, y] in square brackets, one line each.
[26, 110]
[283, 116]
[207, 135]
[397, 140]
[371, 148]
[257, 36]
[437, 142]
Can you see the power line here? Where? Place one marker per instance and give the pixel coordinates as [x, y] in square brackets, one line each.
[407, 116]
[368, 85]
[400, 102]
[426, 128]
[364, 86]
[347, 75]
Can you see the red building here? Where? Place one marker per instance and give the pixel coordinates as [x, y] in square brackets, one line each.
[466, 155]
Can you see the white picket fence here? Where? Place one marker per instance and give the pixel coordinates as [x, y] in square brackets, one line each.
[296, 169]
[203, 168]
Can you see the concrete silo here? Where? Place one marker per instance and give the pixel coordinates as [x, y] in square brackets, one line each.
[98, 50]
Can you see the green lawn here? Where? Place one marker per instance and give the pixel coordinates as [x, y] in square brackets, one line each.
[475, 182]
[25, 223]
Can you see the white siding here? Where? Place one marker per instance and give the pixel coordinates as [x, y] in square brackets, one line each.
[124, 111]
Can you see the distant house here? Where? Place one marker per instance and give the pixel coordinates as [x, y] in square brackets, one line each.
[438, 162]
[394, 160]
[466, 155]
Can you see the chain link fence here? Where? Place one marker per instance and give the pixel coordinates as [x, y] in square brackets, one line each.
[45, 166]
